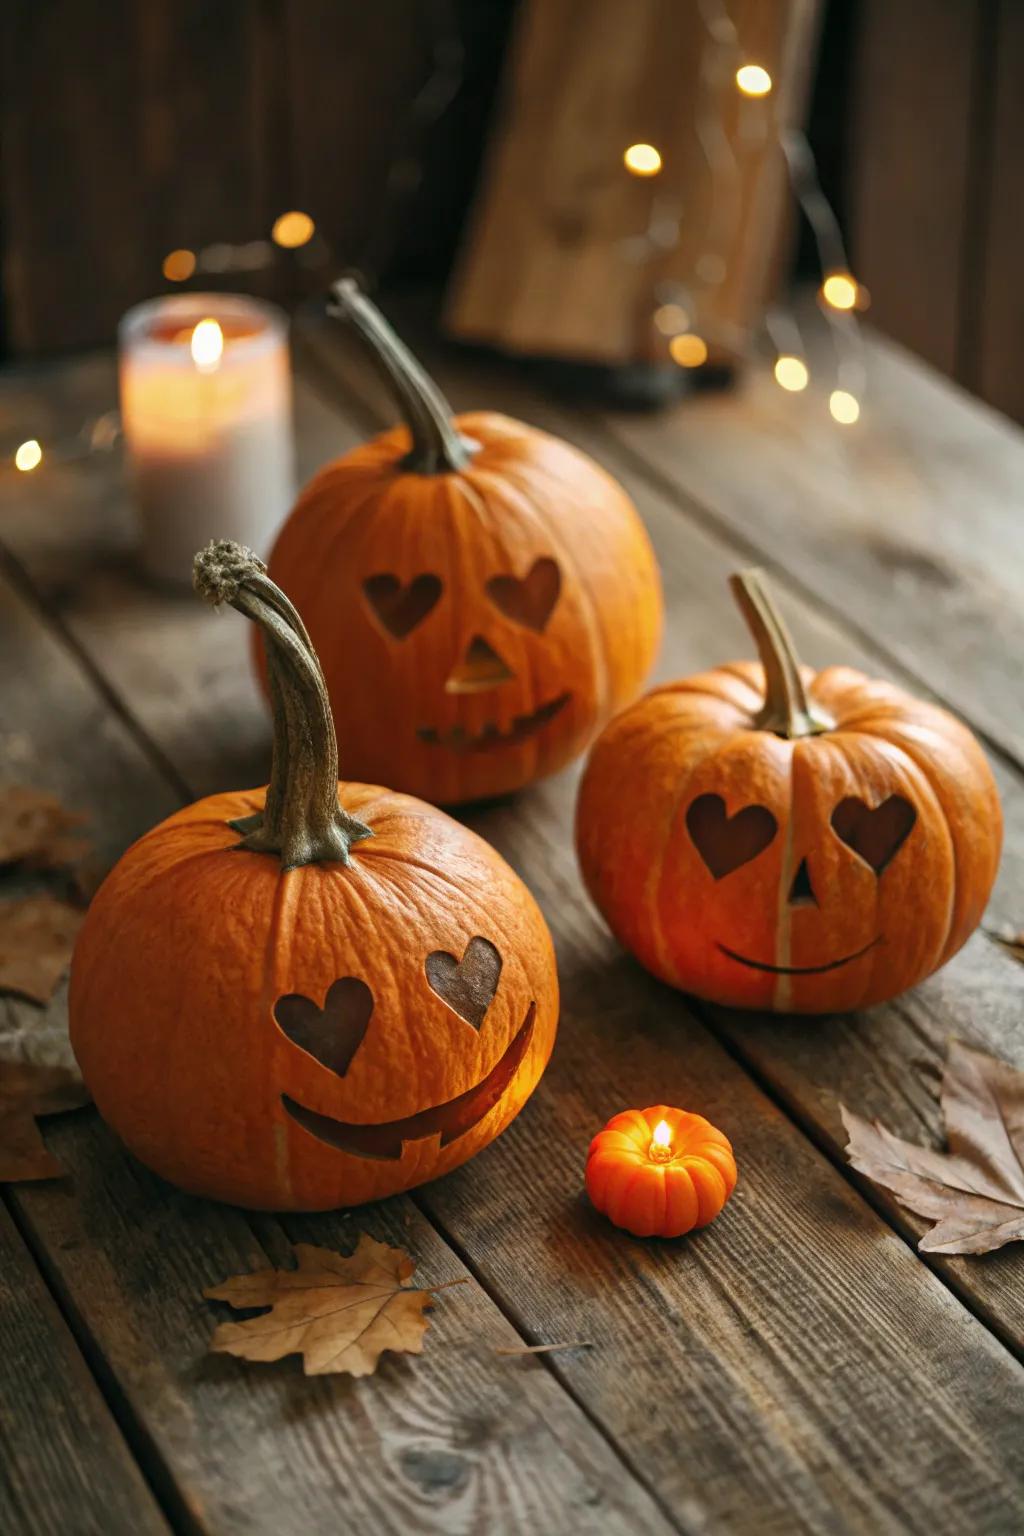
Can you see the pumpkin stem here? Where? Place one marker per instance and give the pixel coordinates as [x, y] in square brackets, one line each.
[302, 820]
[438, 447]
[788, 708]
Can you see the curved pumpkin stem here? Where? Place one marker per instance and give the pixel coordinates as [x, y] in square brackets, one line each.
[301, 820]
[438, 447]
[788, 708]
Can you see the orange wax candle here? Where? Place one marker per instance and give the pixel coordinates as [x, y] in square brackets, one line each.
[660, 1172]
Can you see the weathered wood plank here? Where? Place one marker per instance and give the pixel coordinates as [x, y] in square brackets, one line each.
[454, 1441]
[64, 1465]
[886, 1061]
[910, 525]
[461, 1440]
[911, 171]
[794, 1368]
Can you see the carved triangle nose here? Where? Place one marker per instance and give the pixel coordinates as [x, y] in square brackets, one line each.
[801, 892]
[479, 669]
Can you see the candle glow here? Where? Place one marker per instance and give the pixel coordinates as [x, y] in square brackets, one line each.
[661, 1142]
[753, 80]
[207, 346]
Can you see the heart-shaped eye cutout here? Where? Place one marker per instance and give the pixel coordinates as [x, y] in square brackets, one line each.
[400, 608]
[528, 599]
[469, 984]
[333, 1033]
[875, 833]
[725, 842]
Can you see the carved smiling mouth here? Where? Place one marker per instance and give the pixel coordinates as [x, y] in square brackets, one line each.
[450, 1120]
[458, 739]
[800, 970]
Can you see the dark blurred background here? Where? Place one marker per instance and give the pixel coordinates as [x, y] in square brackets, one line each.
[133, 128]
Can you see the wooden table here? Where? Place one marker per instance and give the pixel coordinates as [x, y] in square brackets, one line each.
[796, 1367]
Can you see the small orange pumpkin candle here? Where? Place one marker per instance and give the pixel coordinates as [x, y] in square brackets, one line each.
[660, 1172]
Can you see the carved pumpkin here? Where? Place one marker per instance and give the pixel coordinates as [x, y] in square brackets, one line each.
[770, 837]
[315, 994]
[481, 602]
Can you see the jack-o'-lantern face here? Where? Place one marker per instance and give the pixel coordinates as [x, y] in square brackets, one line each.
[473, 711]
[332, 1035]
[768, 837]
[474, 629]
[796, 896]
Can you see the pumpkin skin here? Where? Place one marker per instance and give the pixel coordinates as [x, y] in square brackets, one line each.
[867, 864]
[194, 944]
[478, 619]
[669, 1196]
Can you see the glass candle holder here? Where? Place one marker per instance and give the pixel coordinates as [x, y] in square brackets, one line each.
[206, 410]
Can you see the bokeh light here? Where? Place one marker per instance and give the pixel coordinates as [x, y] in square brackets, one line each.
[839, 290]
[688, 350]
[179, 266]
[292, 230]
[753, 80]
[791, 372]
[845, 407]
[29, 456]
[642, 160]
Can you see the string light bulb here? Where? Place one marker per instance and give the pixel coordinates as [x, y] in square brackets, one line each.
[292, 230]
[688, 350]
[845, 408]
[791, 373]
[670, 319]
[29, 456]
[753, 80]
[178, 266]
[642, 160]
[839, 290]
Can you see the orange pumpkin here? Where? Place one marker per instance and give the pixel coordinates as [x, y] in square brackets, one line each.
[314, 994]
[770, 837]
[660, 1172]
[482, 601]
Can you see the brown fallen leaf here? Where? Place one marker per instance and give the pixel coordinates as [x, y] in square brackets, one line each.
[28, 1090]
[37, 935]
[974, 1192]
[339, 1312]
[35, 829]
[1009, 937]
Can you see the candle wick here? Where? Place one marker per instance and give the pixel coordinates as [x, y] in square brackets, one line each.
[661, 1152]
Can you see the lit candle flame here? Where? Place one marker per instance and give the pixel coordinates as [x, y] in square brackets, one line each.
[661, 1142]
[207, 345]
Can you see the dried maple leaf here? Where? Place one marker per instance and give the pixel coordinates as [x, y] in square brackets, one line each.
[35, 827]
[37, 935]
[974, 1192]
[28, 1090]
[340, 1313]
[1009, 937]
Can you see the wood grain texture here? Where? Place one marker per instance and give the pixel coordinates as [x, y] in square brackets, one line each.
[887, 1061]
[460, 1440]
[998, 310]
[911, 168]
[728, 1371]
[64, 1465]
[909, 525]
[557, 260]
[128, 131]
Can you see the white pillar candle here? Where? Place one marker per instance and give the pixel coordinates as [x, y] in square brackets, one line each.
[206, 410]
